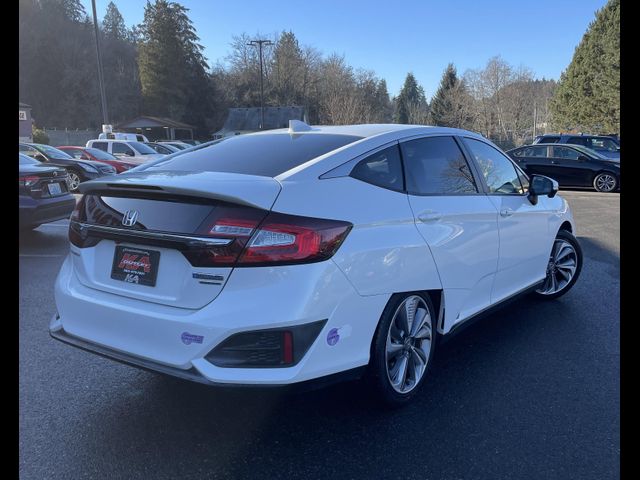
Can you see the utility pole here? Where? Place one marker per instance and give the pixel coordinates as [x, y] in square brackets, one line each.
[535, 120]
[259, 43]
[103, 96]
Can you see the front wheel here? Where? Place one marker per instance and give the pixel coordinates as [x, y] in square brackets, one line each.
[563, 269]
[403, 347]
[605, 182]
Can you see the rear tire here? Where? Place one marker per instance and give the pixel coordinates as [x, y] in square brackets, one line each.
[605, 182]
[403, 348]
[74, 181]
[563, 269]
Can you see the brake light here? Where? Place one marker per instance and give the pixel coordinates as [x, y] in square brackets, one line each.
[27, 181]
[289, 239]
[278, 239]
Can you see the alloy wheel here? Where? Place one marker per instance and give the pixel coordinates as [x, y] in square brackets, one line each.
[605, 182]
[74, 181]
[561, 268]
[408, 344]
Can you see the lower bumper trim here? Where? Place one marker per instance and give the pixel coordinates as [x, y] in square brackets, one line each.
[192, 374]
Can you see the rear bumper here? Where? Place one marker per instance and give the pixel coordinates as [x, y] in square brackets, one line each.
[192, 374]
[150, 335]
[38, 211]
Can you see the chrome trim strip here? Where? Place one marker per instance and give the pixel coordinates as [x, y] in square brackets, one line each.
[192, 240]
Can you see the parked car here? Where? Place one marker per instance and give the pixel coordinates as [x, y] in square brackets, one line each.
[570, 165]
[334, 256]
[163, 148]
[134, 137]
[43, 193]
[191, 142]
[79, 170]
[97, 155]
[606, 145]
[130, 151]
[179, 145]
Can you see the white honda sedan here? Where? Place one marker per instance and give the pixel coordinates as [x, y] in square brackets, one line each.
[309, 253]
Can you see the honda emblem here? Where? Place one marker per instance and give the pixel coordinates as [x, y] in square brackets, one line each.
[130, 218]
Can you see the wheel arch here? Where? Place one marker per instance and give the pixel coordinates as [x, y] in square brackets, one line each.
[437, 300]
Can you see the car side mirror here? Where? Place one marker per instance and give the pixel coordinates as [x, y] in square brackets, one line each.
[541, 185]
[617, 149]
[583, 158]
[130, 154]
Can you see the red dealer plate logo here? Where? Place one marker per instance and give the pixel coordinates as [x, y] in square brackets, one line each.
[135, 265]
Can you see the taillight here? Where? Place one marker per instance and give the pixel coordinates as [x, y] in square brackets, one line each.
[289, 239]
[27, 181]
[75, 236]
[277, 239]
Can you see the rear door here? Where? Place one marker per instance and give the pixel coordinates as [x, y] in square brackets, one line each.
[525, 243]
[457, 221]
[572, 171]
[535, 160]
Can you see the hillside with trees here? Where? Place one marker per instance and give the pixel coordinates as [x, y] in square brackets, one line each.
[159, 68]
[588, 94]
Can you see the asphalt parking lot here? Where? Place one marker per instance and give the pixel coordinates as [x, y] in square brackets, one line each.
[529, 392]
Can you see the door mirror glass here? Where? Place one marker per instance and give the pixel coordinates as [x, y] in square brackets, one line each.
[583, 158]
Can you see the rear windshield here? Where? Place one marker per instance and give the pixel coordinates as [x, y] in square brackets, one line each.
[54, 153]
[266, 155]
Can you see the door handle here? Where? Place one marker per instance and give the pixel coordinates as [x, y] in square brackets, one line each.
[506, 212]
[429, 216]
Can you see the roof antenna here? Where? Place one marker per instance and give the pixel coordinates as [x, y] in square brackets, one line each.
[296, 126]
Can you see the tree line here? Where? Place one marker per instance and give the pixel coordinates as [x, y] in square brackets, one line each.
[158, 68]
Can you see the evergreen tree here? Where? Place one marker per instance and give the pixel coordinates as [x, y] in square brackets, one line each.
[411, 104]
[383, 103]
[173, 70]
[588, 94]
[113, 24]
[442, 102]
[122, 82]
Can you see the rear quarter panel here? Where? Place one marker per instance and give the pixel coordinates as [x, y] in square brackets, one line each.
[384, 252]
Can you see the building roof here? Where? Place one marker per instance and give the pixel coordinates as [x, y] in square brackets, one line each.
[146, 121]
[248, 119]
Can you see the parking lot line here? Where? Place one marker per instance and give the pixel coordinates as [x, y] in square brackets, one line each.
[40, 255]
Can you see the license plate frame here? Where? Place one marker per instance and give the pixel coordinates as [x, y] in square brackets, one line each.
[54, 188]
[135, 265]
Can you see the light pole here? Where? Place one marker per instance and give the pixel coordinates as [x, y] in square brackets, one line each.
[103, 96]
[259, 43]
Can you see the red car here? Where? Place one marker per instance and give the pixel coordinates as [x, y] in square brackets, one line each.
[98, 155]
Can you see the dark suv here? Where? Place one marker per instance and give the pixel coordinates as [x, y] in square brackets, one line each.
[606, 145]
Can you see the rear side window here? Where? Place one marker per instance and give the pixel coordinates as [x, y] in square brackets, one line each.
[498, 171]
[100, 145]
[435, 166]
[533, 152]
[565, 152]
[383, 169]
[121, 148]
[549, 140]
[579, 141]
[264, 154]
